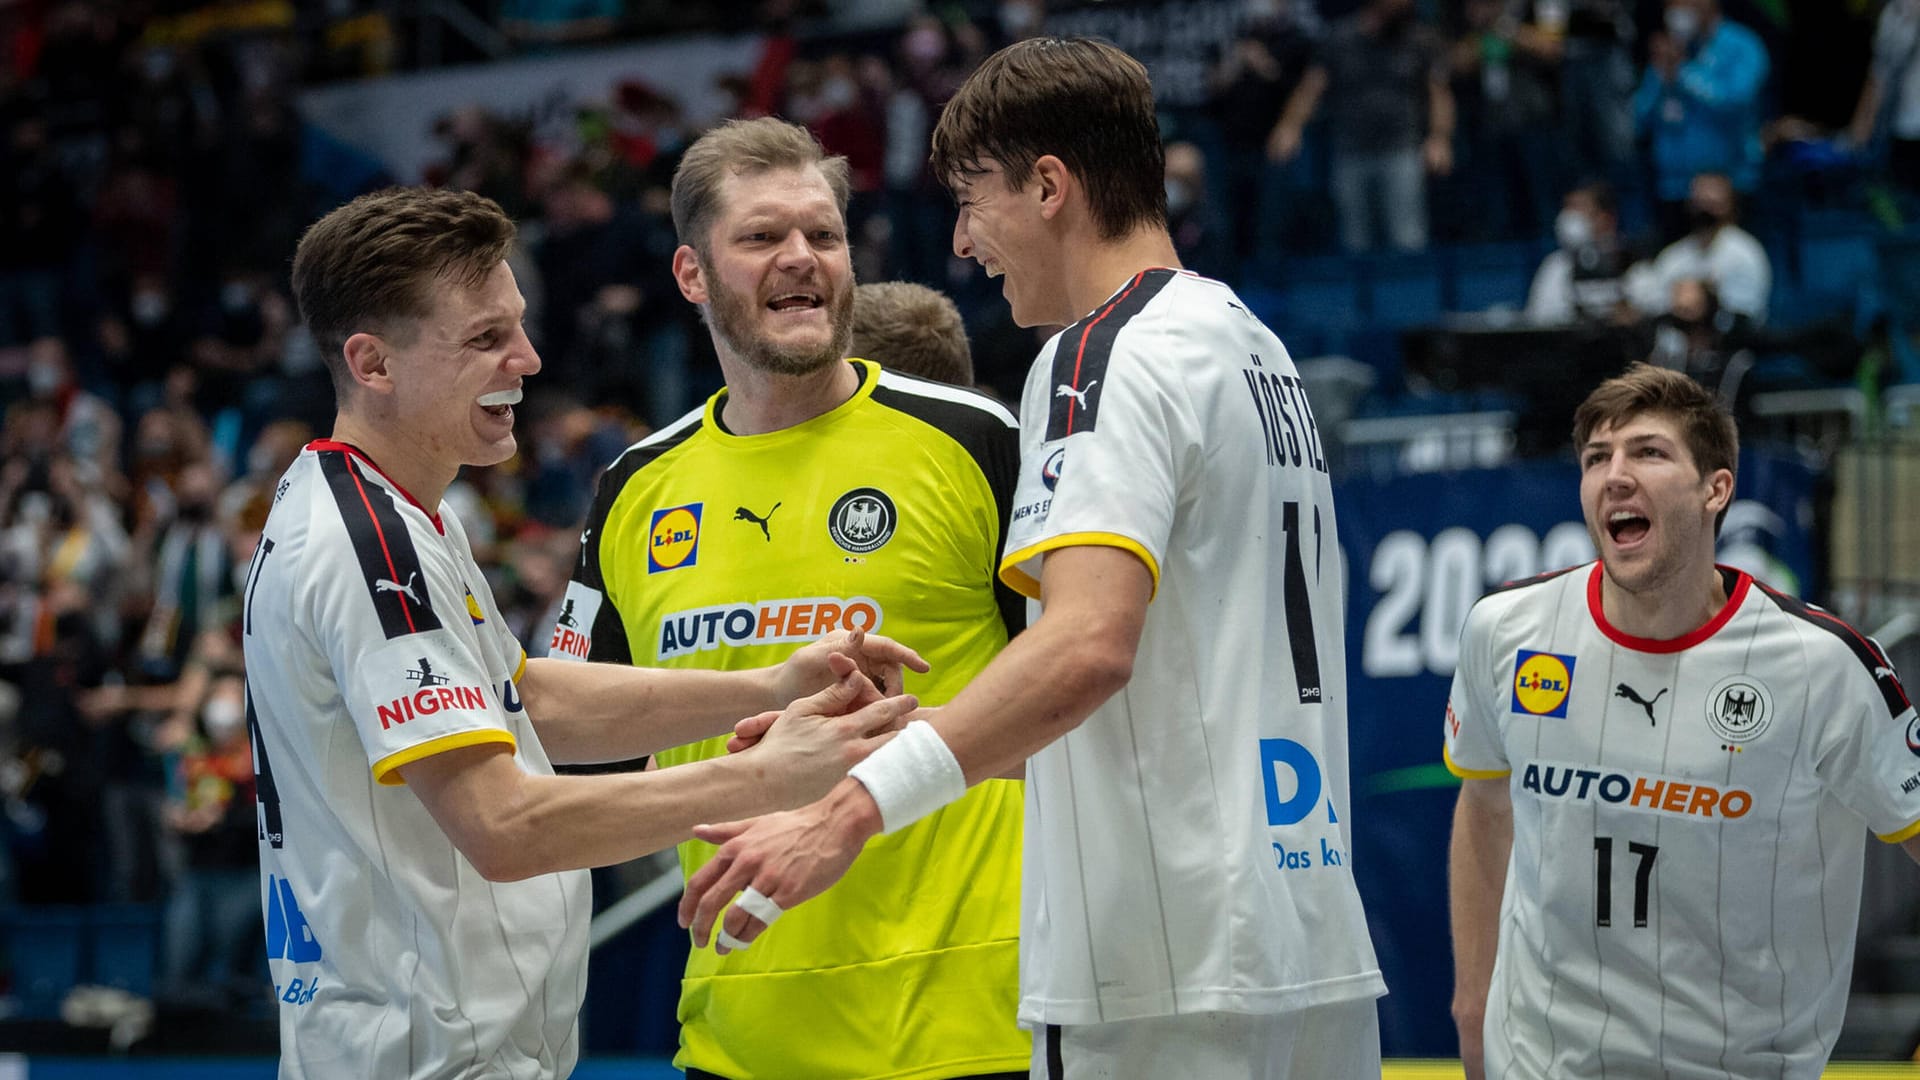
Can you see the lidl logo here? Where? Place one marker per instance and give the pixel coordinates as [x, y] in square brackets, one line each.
[1541, 683]
[473, 609]
[288, 935]
[675, 538]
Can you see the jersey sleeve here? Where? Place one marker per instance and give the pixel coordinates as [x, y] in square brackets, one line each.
[587, 627]
[1870, 755]
[1001, 464]
[1473, 748]
[403, 649]
[1098, 458]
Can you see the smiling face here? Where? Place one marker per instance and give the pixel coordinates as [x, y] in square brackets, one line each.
[777, 278]
[1002, 229]
[456, 371]
[1647, 506]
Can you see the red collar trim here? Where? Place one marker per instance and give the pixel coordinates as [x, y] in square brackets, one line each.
[1741, 583]
[323, 445]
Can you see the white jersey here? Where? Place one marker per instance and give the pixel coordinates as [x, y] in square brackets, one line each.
[1187, 846]
[372, 641]
[1687, 819]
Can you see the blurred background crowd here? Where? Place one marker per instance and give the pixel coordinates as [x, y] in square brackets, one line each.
[1668, 172]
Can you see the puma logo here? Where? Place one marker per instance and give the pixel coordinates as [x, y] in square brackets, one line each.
[1080, 396]
[1883, 673]
[381, 585]
[741, 513]
[1628, 692]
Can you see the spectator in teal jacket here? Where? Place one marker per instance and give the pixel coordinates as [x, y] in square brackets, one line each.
[1701, 103]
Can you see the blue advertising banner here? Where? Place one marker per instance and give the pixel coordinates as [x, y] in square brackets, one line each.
[1420, 550]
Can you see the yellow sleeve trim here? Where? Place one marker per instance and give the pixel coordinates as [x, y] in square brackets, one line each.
[387, 769]
[1024, 583]
[1470, 774]
[522, 669]
[1903, 835]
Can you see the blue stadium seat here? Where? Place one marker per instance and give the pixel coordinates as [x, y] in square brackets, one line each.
[1404, 290]
[45, 949]
[125, 940]
[1378, 347]
[1323, 291]
[1302, 342]
[1485, 276]
[1836, 252]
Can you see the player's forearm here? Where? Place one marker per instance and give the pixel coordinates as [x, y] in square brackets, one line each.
[1476, 877]
[553, 823]
[1041, 686]
[611, 712]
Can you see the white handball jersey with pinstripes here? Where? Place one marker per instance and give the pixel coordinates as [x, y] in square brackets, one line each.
[1187, 846]
[372, 640]
[1687, 827]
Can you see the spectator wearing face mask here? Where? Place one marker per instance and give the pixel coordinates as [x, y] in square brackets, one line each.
[1194, 222]
[1589, 277]
[1699, 102]
[1715, 250]
[213, 911]
[1700, 337]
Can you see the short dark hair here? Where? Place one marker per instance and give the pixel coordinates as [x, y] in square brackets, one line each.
[744, 148]
[1706, 426]
[1083, 101]
[1602, 195]
[911, 328]
[371, 265]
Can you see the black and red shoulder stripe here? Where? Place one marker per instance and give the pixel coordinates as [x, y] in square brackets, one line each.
[1863, 647]
[382, 545]
[1521, 583]
[1080, 361]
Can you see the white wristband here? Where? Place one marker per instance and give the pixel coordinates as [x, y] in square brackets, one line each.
[912, 776]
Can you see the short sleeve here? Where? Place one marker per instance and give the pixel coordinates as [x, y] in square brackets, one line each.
[587, 627]
[1870, 754]
[1473, 748]
[414, 687]
[1098, 457]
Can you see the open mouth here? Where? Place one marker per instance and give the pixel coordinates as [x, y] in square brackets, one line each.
[500, 403]
[993, 269]
[1627, 527]
[795, 301]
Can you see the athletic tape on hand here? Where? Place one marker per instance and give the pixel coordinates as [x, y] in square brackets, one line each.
[757, 904]
[721, 937]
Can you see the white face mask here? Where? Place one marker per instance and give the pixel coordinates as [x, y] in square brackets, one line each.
[838, 93]
[1179, 196]
[1683, 23]
[1572, 229]
[45, 379]
[149, 308]
[222, 717]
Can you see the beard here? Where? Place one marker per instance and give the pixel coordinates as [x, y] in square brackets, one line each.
[732, 317]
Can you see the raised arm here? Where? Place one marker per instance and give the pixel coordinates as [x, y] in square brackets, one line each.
[1476, 877]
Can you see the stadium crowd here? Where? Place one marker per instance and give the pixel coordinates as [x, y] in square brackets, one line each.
[155, 176]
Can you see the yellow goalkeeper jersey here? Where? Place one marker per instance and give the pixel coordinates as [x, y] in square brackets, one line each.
[706, 549]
